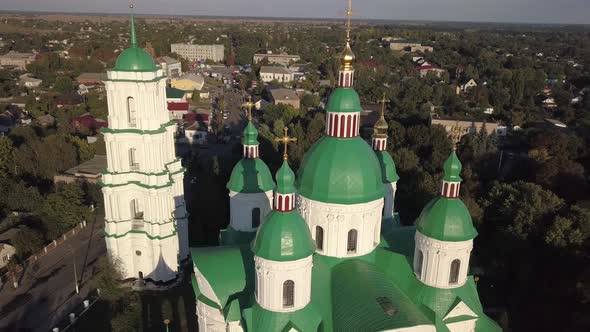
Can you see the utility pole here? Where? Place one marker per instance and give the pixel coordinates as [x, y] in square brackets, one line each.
[75, 271]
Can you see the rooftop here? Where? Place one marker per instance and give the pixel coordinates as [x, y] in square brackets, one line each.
[93, 166]
[274, 70]
[284, 94]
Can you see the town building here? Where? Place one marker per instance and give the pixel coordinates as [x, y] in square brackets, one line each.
[146, 224]
[199, 52]
[323, 249]
[89, 122]
[29, 82]
[89, 171]
[90, 79]
[409, 46]
[17, 60]
[278, 59]
[469, 126]
[280, 74]
[188, 82]
[177, 110]
[285, 97]
[468, 85]
[424, 70]
[170, 66]
[6, 252]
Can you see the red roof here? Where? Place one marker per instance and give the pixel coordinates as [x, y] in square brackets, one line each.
[202, 117]
[190, 117]
[178, 107]
[88, 121]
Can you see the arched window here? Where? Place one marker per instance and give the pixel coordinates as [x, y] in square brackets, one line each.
[351, 245]
[133, 164]
[288, 294]
[131, 111]
[255, 217]
[454, 275]
[319, 237]
[136, 212]
[420, 263]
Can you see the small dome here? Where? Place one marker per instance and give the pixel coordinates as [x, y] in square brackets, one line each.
[285, 179]
[250, 176]
[344, 100]
[381, 127]
[342, 171]
[284, 236]
[135, 59]
[347, 56]
[250, 135]
[388, 170]
[446, 219]
[452, 168]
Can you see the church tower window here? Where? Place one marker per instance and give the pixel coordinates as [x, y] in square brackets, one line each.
[131, 111]
[136, 213]
[352, 239]
[255, 217]
[288, 294]
[133, 164]
[454, 275]
[319, 237]
[420, 263]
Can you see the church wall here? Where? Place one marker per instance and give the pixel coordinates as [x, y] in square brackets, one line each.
[205, 286]
[210, 319]
[437, 258]
[338, 219]
[419, 328]
[389, 199]
[270, 277]
[241, 206]
[465, 326]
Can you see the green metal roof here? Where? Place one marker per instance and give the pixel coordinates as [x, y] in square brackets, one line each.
[230, 236]
[250, 135]
[174, 93]
[250, 176]
[340, 170]
[285, 179]
[388, 171]
[260, 319]
[283, 236]
[446, 219]
[361, 291]
[452, 168]
[344, 100]
[135, 59]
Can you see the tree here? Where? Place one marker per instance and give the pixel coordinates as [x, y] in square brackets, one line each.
[64, 84]
[571, 230]
[6, 157]
[26, 242]
[64, 209]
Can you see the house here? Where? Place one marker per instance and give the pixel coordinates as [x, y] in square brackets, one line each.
[261, 104]
[188, 82]
[89, 171]
[426, 69]
[17, 60]
[29, 82]
[279, 59]
[174, 95]
[286, 97]
[88, 122]
[549, 102]
[70, 99]
[91, 79]
[170, 66]
[280, 74]
[176, 111]
[196, 132]
[407, 45]
[6, 251]
[46, 120]
[469, 126]
[469, 85]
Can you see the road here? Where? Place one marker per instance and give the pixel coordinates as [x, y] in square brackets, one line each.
[47, 287]
[236, 119]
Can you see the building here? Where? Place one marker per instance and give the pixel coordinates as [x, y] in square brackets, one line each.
[278, 59]
[146, 227]
[29, 82]
[409, 46]
[89, 122]
[199, 52]
[90, 79]
[196, 132]
[17, 60]
[280, 74]
[170, 66]
[89, 171]
[323, 249]
[46, 120]
[286, 97]
[6, 251]
[174, 95]
[427, 69]
[470, 126]
[188, 82]
[469, 85]
[176, 111]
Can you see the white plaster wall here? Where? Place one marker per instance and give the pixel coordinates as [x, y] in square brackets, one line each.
[205, 287]
[464, 326]
[338, 219]
[210, 319]
[438, 256]
[241, 206]
[389, 199]
[234, 327]
[270, 276]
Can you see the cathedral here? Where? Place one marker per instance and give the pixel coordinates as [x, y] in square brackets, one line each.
[320, 250]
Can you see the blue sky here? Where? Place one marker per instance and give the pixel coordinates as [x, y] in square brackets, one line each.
[540, 11]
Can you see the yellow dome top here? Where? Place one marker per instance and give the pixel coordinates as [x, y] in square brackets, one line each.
[347, 57]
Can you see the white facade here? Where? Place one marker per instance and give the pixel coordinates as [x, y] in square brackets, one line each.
[199, 52]
[272, 279]
[389, 200]
[269, 74]
[341, 230]
[441, 264]
[243, 218]
[145, 215]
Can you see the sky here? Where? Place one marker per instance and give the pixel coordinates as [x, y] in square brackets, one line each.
[529, 11]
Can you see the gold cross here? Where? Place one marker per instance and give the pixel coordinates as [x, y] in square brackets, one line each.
[455, 134]
[249, 104]
[348, 13]
[383, 101]
[285, 140]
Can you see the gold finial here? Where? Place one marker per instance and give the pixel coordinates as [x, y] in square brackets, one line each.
[348, 21]
[249, 104]
[455, 135]
[285, 140]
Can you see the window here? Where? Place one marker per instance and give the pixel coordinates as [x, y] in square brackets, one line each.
[419, 263]
[131, 111]
[352, 236]
[319, 237]
[255, 217]
[288, 294]
[135, 211]
[133, 164]
[454, 276]
[138, 253]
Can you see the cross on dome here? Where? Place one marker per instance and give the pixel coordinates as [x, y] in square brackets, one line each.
[383, 101]
[285, 140]
[455, 135]
[249, 105]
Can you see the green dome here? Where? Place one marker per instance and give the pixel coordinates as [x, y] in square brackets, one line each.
[340, 170]
[135, 59]
[446, 219]
[344, 100]
[250, 176]
[284, 236]
[452, 168]
[285, 179]
[250, 135]
[388, 171]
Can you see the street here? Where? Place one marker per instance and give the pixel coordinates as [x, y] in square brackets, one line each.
[47, 288]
